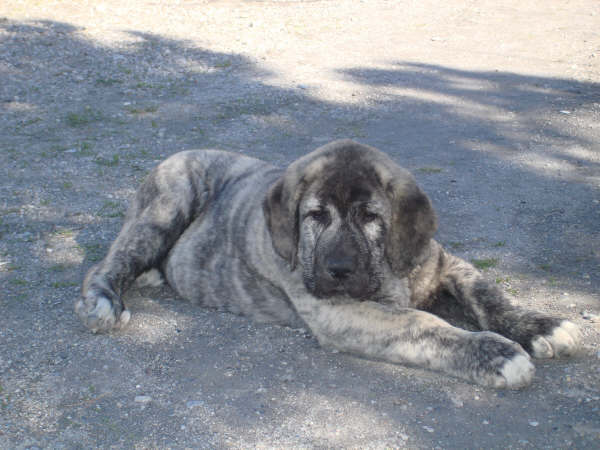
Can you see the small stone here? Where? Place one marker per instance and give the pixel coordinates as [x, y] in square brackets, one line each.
[142, 399]
[457, 402]
[588, 315]
[193, 404]
[533, 423]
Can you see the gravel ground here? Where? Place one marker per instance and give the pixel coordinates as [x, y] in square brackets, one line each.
[495, 106]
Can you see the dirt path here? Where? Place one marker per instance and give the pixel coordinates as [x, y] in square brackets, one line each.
[495, 106]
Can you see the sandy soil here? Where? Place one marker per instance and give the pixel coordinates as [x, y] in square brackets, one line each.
[495, 106]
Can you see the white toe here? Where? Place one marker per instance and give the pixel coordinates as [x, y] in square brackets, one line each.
[565, 339]
[103, 309]
[124, 319]
[518, 371]
[541, 348]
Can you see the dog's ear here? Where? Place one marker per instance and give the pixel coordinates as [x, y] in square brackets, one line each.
[413, 223]
[280, 208]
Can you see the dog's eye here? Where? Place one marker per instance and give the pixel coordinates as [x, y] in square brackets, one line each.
[319, 215]
[369, 216]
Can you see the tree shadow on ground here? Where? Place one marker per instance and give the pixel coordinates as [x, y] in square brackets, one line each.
[509, 153]
[506, 157]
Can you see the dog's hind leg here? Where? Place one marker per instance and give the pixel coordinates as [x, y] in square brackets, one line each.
[172, 195]
[483, 304]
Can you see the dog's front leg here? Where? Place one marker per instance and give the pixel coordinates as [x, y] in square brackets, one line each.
[410, 336]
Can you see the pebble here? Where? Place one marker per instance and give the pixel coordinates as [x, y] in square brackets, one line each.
[193, 403]
[142, 399]
[457, 402]
[588, 315]
[533, 423]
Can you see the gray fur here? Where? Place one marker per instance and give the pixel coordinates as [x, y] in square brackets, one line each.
[340, 242]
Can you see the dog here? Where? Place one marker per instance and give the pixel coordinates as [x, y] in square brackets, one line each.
[340, 242]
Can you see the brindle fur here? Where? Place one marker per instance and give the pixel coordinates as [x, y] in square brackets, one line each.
[340, 242]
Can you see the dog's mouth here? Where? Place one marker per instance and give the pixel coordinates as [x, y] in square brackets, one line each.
[358, 287]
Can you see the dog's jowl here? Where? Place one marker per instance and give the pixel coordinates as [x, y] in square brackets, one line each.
[340, 242]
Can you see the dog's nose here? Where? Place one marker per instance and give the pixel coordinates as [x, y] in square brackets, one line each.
[340, 267]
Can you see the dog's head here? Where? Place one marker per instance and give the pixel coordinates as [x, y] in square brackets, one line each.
[344, 211]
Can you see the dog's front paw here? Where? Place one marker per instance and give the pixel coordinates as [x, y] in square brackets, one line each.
[99, 313]
[500, 362]
[562, 340]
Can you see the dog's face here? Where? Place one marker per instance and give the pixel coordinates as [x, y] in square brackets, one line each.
[345, 211]
[342, 224]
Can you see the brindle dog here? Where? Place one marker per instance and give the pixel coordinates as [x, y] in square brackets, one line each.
[340, 242]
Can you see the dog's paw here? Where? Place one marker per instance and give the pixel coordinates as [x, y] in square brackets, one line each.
[99, 313]
[562, 340]
[501, 363]
[515, 372]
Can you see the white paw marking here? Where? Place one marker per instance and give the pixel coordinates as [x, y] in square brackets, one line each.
[103, 314]
[124, 319]
[541, 348]
[151, 278]
[517, 372]
[564, 341]
[103, 309]
[98, 313]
